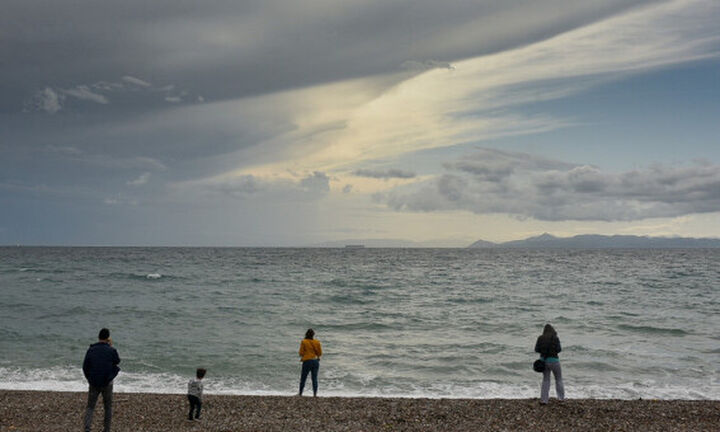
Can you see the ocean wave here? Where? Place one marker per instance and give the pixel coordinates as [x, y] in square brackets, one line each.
[348, 299]
[345, 385]
[595, 366]
[363, 285]
[476, 300]
[337, 282]
[72, 312]
[150, 276]
[653, 330]
[361, 325]
[40, 270]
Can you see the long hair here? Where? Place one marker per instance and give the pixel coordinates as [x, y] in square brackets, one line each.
[549, 331]
[309, 334]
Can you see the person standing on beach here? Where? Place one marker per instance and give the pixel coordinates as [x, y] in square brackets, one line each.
[310, 352]
[548, 345]
[194, 394]
[100, 368]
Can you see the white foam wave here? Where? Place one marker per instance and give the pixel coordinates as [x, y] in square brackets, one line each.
[71, 379]
[153, 276]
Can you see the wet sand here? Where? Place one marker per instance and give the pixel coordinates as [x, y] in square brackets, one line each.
[63, 411]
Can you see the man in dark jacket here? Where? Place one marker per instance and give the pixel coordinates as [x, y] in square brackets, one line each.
[100, 368]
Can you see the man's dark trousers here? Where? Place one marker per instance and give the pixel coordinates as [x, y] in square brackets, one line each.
[93, 395]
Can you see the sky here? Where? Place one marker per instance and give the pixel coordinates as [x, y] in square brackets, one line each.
[285, 123]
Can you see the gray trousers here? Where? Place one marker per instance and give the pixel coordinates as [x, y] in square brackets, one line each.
[93, 395]
[553, 367]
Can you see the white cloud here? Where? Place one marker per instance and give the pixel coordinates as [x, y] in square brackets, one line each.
[105, 86]
[83, 92]
[106, 160]
[141, 180]
[47, 100]
[136, 81]
[51, 100]
[426, 65]
[119, 200]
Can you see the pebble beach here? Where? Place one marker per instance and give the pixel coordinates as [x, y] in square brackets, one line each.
[42, 411]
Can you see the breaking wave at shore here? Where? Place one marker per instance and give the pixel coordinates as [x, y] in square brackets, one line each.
[71, 379]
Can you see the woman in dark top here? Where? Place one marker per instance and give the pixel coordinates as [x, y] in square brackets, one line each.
[548, 345]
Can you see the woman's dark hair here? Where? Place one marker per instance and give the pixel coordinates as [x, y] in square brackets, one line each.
[549, 330]
[309, 334]
[200, 373]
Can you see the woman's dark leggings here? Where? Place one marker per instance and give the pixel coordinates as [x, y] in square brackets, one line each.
[195, 404]
[312, 367]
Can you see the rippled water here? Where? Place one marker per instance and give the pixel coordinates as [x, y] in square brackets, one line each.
[406, 322]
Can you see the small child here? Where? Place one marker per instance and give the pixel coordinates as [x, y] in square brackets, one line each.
[195, 390]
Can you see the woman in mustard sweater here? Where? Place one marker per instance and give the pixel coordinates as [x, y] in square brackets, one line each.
[310, 352]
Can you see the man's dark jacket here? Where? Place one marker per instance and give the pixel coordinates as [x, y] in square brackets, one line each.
[101, 364]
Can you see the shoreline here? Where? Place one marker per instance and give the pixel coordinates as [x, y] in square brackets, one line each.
[28, 410]
[334, 395]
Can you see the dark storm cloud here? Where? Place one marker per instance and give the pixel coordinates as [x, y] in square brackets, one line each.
[384, 174]
[523, 185]
[226, 49]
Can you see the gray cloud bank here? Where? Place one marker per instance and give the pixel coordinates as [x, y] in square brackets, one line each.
[384, 174]
[227, 49]
[526, 186]
[129, 91]
[312, 186]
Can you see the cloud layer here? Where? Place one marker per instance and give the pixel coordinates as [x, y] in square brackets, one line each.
[139, 92]
[384, 174]
[117, 115]
[526, 186]
[249, 187]
[481, 98]
[230, 49]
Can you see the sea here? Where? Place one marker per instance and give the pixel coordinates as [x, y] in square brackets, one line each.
[431, 323]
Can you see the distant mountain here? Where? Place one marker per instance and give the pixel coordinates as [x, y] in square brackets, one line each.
[595, 241]
[483, 244]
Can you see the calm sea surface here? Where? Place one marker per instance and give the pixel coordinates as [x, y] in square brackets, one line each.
[393, 322]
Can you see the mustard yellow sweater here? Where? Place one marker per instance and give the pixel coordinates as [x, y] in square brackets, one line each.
[310, 349]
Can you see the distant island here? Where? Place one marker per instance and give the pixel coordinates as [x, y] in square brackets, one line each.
[378, 243]
[544, 241]
[595, 241]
